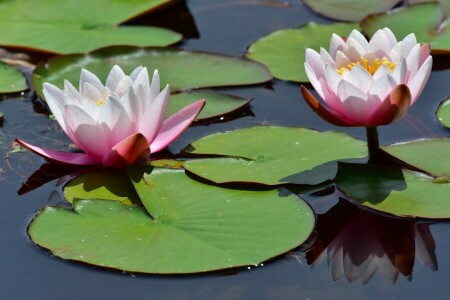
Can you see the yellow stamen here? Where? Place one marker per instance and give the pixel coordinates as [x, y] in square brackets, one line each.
[100, 102]
[371, 68]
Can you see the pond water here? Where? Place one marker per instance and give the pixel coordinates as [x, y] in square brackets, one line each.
[29, 272]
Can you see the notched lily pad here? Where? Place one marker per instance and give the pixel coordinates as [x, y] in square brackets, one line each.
[192, 228]
[272, 155]
[429, 155]
[74, 26]
[349, 10]
[12, 80]
[283, 51]
[443, 112]
[395, 191]
[430, 25]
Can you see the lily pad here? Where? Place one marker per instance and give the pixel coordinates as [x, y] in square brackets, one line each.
[184, 70]
[273, 155]
[12, 79]
[395, 191]
[429, 25]
[349, 10]
[103, 184]
[443, 112]
[216, 104]
[283, 51]
[429, 155]
[73, 26]
[192, 228]
[444, 3]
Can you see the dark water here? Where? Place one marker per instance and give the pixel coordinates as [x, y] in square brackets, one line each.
[27, 272]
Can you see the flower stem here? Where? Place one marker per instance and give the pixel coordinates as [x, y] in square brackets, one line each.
[373, 144]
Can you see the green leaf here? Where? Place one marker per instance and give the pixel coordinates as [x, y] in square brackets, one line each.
[429, 155]
[72, 26]
[195, 227]
[349, 10]
[444, 3]
[428, 17]
[12, 79]
[216, 104]
[273, 155]
[283, 51]
[103, 184]
[443, 112]
[395, 191]
[184, 70]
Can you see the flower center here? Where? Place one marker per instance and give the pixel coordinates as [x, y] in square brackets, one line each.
[100, 102]
[371, 68]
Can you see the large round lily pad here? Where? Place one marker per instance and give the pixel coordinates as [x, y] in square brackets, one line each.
[395, 191]
[429, 26]
[73, 26]
[273, 155]
[12, 79]
[349, 10]
[443, 112]
[283, 51]
[429, 155]
[189, 227]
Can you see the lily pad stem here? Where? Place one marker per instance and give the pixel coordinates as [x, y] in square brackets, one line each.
[373, 144]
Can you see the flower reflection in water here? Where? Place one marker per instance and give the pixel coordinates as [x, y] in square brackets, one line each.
[358, 243]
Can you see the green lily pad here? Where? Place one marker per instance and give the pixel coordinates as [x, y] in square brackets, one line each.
[444, 3]
[216, 104]
[349, 10]
[429, 155]
[273, 155]
[283, 51]
[192, 228]
[12, 80]
[443, 112]
[103, 184]
[73, 26]
[184, 70]
[429, 25]
[395, 191]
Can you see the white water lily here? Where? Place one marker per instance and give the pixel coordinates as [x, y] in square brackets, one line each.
[115, 124]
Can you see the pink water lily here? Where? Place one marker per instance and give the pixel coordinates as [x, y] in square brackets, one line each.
[367, 83]
[115, 124]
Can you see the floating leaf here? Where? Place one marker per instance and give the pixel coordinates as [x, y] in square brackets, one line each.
[283, 51]
[104, 184]
[183, 69]
[195, 227]
[349, 10]
[72, 26]
[399, 192]
[273, 155]
[429, 155]
[443, 112]
[429, 25]
[12, 79]
[216, 104]
[444, 3]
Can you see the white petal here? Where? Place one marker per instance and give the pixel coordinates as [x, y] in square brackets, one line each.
[326, 58]
[379, 44]
[382, 71]
[114, 77]
[396, 53]
[336, 44]
[91, 92]
[382, 87]
[360, 78]
[123, 86]
[315, 62]
[400, 70]
[333, 78]
[132, 105]
[116, 121]
[353, 50]
[355, 103]
[155, 86]
[408, 43]
[55, 102]
[141, 87]
[72, 92]
[110, 111]
[390, 36]
[135, 73]
[154, 115]
[314, 80]
[341, 60]
[418, 82]
[361, 39]
[412, 62]
[91, 78]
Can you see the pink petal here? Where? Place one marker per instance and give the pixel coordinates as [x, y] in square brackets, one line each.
[315, 62]
[130, 150]
[392, 108]
[59, 156]
[314, 80]
[418, 82]
[175, 125]
[424, 53]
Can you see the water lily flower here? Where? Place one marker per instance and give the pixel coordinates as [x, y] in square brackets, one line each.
[367, 83]
[115, 124]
